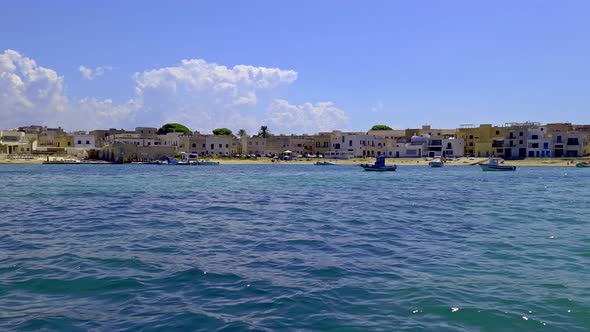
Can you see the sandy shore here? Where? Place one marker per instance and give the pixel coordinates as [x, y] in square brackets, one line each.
[563, 162]
[409, 161]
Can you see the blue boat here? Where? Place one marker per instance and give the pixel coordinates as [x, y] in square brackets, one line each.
[379, 166]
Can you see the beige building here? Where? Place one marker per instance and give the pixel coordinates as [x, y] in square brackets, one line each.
[482, 141]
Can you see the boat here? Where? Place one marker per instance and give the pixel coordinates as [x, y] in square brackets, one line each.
[494, 166]
[324, 163]
[583, 164]
[437, 162]
[167, 161]
[379, 166]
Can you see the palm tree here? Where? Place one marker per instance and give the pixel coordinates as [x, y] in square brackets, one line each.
[242, 133]
[264, 132]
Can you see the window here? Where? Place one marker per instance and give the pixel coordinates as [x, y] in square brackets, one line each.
[520, 134]
[212, 146]
[317, 144]
[350, 143]
[342, 139]
[558, 139]
[194, 145]
[220, 146]
[87, 142]
[326, 144]
[79, 142]
[203, 145]
[546, 146]
[337, 146]
[497, 132]
[520, 142]
[227, 146]
[535, 137]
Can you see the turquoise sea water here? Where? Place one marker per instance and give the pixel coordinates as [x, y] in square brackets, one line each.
[288, 247]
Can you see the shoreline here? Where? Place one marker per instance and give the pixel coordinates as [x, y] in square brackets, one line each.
[540, 162]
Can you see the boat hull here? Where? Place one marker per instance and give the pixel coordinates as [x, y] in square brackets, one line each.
[436, 164]
[373, 168]
[582, 165]
[497, 168]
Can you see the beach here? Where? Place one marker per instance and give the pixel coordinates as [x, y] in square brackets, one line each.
[559, 162]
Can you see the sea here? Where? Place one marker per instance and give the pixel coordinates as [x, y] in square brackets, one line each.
[293, 248]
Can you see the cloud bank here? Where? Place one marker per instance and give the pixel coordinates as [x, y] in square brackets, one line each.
[200, 94]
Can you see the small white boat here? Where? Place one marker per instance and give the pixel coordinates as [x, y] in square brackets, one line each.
[324, 163]
[494, 166]
[437, 162]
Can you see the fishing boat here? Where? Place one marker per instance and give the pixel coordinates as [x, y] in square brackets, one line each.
[167, 161]
[324, 163]
[189, 159]
[437, 162]
[379, 166]
[583, 164]
[494, 166]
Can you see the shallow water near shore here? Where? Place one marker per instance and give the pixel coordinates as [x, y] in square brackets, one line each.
[293, 247]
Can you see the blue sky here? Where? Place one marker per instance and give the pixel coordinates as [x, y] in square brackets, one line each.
[357, 63]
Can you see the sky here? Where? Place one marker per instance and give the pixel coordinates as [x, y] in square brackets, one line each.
[295, 66]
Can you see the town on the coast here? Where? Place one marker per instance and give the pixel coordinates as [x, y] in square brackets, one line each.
[512, 141]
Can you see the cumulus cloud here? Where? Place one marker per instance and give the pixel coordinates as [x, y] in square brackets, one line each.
[200, 94]
[205, 95]
[26, 88]
[305, 118]
[32, 94]
[91, 74]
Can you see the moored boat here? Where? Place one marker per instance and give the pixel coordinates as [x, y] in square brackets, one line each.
[494, 166]
[379, 166]
[583, 164]
[437, 162]
[324, 163]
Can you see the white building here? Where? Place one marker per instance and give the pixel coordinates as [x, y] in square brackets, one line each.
[86, 141]
[12, 142]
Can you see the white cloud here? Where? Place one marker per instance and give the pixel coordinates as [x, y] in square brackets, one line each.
[31, 94]
[206, 95]
[90, 74]
[26, 88]
[305, 118]
[200, 94]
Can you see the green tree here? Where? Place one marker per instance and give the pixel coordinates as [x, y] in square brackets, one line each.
[222, 131]
[264, 132]
[173, 128]
[381, 127]
[242, 133]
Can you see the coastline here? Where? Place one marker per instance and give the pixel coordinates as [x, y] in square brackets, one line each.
[533, 162]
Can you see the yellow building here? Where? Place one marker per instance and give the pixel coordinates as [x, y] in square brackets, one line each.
[65, 141]
[321, 143]
[483, 141]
